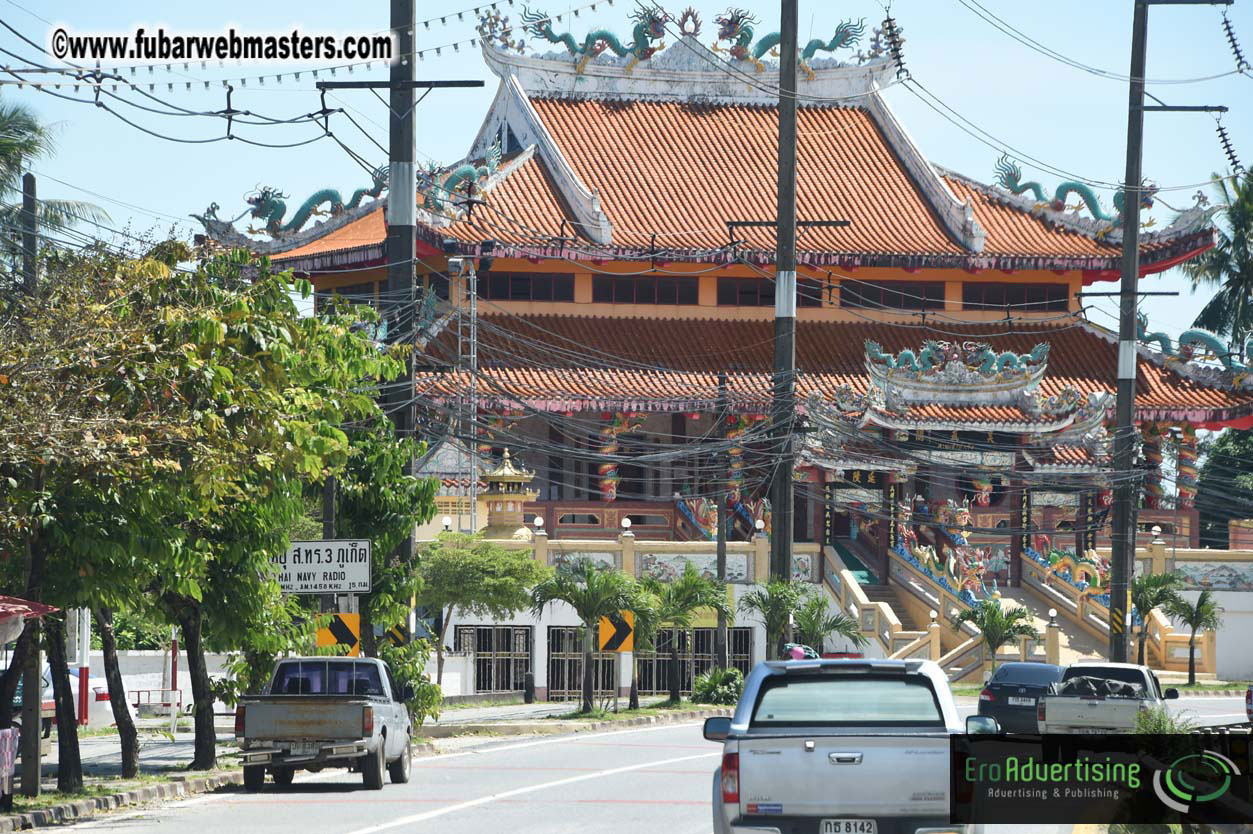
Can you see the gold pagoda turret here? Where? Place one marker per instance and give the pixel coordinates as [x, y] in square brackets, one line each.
[507, 491]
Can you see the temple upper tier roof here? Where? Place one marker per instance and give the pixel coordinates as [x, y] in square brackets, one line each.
[600, 157]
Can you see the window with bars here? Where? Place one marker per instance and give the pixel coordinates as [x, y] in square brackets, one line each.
[644, 289]
[759, 292]
[892, 295]
[525, 286]
[977, 295]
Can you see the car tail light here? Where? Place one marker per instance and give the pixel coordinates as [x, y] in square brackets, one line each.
[731, 777]
[102, 695]
[1039, 710]
[367, 721]
[239, 721]
[986, 695]
[1248, 702]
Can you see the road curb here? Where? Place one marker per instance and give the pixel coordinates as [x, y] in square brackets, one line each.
[558, 727]
[182, 785]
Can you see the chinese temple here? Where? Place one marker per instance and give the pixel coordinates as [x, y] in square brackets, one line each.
[618, 200]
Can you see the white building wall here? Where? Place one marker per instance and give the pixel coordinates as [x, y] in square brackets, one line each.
[1233, 647]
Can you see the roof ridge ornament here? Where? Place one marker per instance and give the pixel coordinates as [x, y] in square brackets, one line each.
[1196, 351]
[1009, 177]
[736, 26]
[650, 25]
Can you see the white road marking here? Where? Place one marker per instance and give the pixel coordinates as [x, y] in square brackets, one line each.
[483, 800]
[108, 818]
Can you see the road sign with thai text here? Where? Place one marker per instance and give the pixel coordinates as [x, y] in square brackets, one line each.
[334, 566]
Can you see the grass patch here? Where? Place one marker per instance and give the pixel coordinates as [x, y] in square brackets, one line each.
[1204, 686]
[623, 714]
[510, 702]
[96, 787]
[966, 690]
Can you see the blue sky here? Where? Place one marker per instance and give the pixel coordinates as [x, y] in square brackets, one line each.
[1072, 119]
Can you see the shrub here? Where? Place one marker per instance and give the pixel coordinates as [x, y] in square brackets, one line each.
[718, 686]
[1160, 721]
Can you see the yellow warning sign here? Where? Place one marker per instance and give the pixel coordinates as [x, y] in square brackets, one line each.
[617, 632]
[343, 629]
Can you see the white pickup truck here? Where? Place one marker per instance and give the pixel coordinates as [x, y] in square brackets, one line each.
[838, 747]
[326, 712]
[1097, 697]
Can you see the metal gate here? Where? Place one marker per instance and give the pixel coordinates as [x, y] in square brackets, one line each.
[565, 666]
[696, 657]
[502, 655]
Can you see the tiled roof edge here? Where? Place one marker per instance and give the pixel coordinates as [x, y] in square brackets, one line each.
[956, 216]
[332, 258]
[527, 125]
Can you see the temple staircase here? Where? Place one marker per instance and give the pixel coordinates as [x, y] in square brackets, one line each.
[890, 595]
[1075, 642]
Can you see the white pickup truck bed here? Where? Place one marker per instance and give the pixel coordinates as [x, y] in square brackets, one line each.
[838, 747]
[1101, 713]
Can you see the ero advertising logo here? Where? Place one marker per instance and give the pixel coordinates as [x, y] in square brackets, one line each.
[1103, 779]
[1194, 779]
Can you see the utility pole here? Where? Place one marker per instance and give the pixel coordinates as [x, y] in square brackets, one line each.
[29, 230]
[32, 677]
[1126, 489]
[784, 387]
[400, 247]
[402, 208]
[721, 653]
[330, 495]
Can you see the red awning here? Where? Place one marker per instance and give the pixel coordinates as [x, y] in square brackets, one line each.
[14, 607]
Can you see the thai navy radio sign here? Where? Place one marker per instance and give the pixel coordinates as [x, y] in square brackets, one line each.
[334, 566]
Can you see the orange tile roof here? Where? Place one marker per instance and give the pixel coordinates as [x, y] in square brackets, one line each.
[572, 363]
[364, 231]
[682, 170]
[530, 200]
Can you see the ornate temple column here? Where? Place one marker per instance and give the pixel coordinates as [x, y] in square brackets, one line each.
[1085, 536]
[887, 526]
[616, 423]
[1185, 479]
[1151, 435]
[1019, 523]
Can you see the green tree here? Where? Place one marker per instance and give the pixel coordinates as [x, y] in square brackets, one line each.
[678, 602]
[1150, 591]
[1229, 265]
[1225, 485]
[998, 625]
[463, 571]
[646, 608]
[815, 622]
[593, 592]
[777, 605]
[379, 501]
[1205, 613]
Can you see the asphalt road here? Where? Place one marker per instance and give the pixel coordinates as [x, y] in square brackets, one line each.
[631, 780]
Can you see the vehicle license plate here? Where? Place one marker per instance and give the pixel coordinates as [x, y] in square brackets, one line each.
[1015, 701]
[304, 748]
[849, 826]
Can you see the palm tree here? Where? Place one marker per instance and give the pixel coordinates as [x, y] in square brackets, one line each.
[1153, 590]
[677, 603]
[24, 139]
[815, 622]
[1229, 264]
[776, 604]
[998, 625]
[1204, 613]
[645, 606]
[593, 592]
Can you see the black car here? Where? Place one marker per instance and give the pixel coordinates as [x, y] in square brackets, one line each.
[1010, 695]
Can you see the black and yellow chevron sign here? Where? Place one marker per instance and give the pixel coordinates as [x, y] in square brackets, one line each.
[398, 635]
[343, 629]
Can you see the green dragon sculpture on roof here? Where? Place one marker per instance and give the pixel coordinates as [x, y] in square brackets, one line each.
[268, 204]
[650, 26]
[977, 355]
[1009, 177]
[1196, 344]
[436, 192]
[736, 25]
